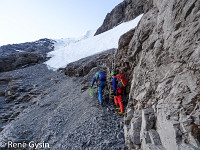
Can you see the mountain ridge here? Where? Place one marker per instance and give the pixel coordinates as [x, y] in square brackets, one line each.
[123, 12]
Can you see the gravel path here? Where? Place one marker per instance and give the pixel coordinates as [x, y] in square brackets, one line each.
[61, 115]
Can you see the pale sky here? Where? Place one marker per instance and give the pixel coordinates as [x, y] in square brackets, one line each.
[30, 20]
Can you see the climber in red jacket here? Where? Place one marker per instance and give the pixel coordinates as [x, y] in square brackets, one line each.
[117, 91]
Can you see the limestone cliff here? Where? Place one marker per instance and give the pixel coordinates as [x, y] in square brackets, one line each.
[161, 59]
[125, 11]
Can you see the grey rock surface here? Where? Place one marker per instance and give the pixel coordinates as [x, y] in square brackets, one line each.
[121, 61]
[125, 11]
[17, 56]
[41, 46]
[163, 59]
[19, 60]
[83, 66]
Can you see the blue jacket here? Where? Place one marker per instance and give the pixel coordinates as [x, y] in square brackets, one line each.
[101, 83]
[95, 80]
[114, 83]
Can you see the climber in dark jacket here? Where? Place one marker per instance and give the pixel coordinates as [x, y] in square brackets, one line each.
[101, 82]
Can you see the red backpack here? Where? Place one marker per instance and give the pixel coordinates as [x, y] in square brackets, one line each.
[121, 81]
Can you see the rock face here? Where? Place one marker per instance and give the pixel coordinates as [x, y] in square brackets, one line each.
[121, 62]
[83, 66]
[163, 58]
[19, 60]
[41, 46]
[22, 55]
[125, 11]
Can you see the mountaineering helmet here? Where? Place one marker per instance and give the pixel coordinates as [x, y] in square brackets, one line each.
[96, 75]
[113, 73]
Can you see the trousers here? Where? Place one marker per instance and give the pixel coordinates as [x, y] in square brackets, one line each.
[100, 89]
[118, 100]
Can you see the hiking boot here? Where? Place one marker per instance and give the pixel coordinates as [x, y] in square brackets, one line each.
[121, 113]
[101, 104]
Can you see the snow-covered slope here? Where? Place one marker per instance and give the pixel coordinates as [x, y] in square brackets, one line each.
[72, 49]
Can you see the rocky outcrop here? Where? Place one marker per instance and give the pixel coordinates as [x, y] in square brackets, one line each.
[19, 60]
[83, 66]
[121, 62]
[125, 11]
[42, 46]
[22, 55]
[163, 60]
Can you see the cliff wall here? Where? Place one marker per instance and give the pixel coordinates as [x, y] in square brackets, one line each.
[161, 61]
[125, 11]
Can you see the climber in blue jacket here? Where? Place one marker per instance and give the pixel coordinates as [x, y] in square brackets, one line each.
[100, 79]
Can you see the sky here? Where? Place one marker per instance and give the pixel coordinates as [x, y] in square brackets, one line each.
[30, 20]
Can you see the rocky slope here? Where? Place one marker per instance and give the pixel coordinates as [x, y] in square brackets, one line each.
[48, 106]
[125, 11]
[16, 56]
[161, 60]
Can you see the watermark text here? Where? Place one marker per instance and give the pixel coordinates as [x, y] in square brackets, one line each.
[32, 144]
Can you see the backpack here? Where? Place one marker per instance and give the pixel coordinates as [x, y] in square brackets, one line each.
[121, 81]
[102, 76]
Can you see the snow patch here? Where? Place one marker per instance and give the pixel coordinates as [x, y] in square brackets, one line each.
[19, 51]
[72, 49]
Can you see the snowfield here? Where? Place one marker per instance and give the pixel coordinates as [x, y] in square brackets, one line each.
[72, 49]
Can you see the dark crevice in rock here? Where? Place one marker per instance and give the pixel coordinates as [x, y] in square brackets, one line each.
[189, 10]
